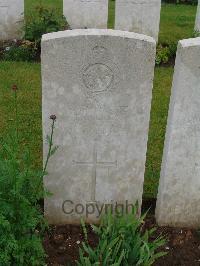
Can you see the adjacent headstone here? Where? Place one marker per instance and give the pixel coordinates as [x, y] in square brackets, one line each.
[81, 14]
[141, 16]
[197, 24]
[178, 201]
[11, 19]
[99, 84]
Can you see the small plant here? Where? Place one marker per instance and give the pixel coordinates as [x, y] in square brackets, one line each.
[162, 55]
[121, 242]
[196, 34]
[43, 20]
[165, 53]
[21, 187]
[23, 51]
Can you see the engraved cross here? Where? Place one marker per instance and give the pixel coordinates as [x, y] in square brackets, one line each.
[95, 163]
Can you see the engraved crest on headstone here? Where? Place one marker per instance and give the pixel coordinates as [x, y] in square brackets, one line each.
[98, 77]
[101, 73]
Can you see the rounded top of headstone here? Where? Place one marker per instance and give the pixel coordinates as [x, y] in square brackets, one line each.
[190, 42]
[97, 32]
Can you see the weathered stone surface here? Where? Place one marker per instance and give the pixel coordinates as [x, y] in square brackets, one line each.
[99, 84]
[11, 19]
[141, 16]
[197, 24]
[82, 14]
[178, 201]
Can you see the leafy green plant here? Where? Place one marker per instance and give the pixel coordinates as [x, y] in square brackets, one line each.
[121, 242]
[21, 219]
[43, 20]
[25, 51]
[196, 34]
[162, 55]
[165, 53]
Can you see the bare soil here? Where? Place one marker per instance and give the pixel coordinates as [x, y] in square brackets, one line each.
[183, 245]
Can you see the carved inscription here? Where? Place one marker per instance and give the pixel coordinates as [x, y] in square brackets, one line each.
[99, 50]
[95, 164]
[105, 120]
[103, 114]
[100, 78]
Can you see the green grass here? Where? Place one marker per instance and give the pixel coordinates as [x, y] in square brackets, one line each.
[159, 112]
[27, 77]
[177, 22]
[111, 15]
[31, 4]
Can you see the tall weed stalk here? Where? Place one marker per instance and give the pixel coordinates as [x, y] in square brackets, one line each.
[21, 217]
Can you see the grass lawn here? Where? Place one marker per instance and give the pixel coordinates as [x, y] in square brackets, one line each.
[30, 4]
[159, 112]
[27, 76]
[177, 22]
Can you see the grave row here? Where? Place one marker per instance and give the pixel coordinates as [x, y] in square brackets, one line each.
[99, 85]
[140, 16]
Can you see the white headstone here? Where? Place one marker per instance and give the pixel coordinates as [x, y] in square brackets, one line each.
[141, 16]
[99, 84]
[11, 19]
[82, 14]
[197, 24]
[178, 201]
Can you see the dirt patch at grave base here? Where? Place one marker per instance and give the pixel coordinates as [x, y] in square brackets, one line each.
[62, 244]
[183, 245]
